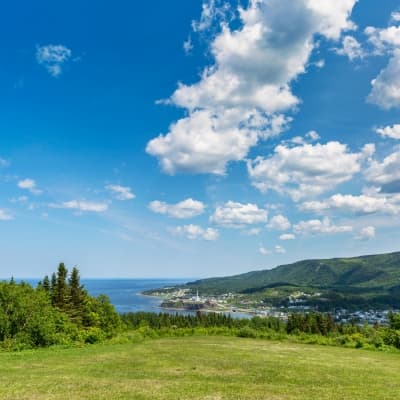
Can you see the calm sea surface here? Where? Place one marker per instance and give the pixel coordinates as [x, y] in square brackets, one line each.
[125, 293]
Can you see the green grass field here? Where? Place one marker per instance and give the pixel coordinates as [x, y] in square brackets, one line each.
[200, 368]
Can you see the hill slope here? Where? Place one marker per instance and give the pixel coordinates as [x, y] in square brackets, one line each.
[381, 270]
[370, 280]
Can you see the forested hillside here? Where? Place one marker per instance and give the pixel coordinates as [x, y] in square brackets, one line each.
[372, 280]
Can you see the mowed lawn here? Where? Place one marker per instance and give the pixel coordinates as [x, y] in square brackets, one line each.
[200, 368]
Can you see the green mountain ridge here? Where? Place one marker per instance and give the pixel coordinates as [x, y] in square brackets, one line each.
[370, 279]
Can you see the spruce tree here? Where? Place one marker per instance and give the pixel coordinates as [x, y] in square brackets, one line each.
[46, 284]
[77, 296]
[53, 288]
[62, 295]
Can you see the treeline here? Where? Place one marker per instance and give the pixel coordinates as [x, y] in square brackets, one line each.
[58, 311]
[199, 320]
[306, 327]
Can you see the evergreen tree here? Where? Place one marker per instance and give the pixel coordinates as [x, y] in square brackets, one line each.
[53, 288]
[46, 284]
[77, 296]
[61, 294]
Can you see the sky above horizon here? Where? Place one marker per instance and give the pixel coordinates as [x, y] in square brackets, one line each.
[197, 138]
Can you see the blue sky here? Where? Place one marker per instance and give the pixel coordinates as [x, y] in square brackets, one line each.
[191, 138]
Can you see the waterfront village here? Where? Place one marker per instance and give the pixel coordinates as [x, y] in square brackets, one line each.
[183, 299]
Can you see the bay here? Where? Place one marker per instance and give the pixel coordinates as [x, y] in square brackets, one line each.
[125, 294]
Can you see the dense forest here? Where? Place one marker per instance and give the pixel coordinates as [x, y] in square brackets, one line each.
[58, 311]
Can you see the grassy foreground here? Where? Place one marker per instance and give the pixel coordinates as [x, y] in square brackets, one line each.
[209, 368]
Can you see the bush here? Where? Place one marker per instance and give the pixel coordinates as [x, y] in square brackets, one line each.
[247, 332]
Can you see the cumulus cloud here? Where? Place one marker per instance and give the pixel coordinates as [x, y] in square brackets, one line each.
[386, 86]
[362, 204]
[206, 141]
[287, 236]
[395, 16]
[238, 215]
[385, 91]
[53, 57]
[193, 232]
[252, 232]
[263, 251]
[392, 132]
[316, 226]
[383, 40]
[306, 170]
[313, 135]
[5, 215]
[277, 249]
[385, 174]
[280, 249]
[187, 208]
[351, 48]
[366, 233]
[240, 98]
[29, 184]
[121, 192]
[82, 206]
[279, 223]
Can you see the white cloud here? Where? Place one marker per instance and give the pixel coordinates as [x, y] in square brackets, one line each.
[121, 192]
[238, 215]
[395, 16]
[351, 48]
[209, 13]
[386, 173]
[263, 251]
[298, 140]
[306, 170]
[239, 98]
[280, 249]
[82, 206]
[287, 236]
[313, 135]
[392, 132]
[363, 204]
[252, 232]
[366, 233]
[29, 184]
[279, 223]
[5, 215]
[193, 232]
[386, 86]
[188, 45]
[187, 208]
[206, 141]
[53, 57]
[19, 199]
[383, 40]
[320, 63]
[316, 226]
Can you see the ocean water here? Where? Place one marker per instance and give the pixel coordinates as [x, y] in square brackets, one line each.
[125, 294]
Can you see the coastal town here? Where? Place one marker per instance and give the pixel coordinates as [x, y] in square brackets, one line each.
[183, 299]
